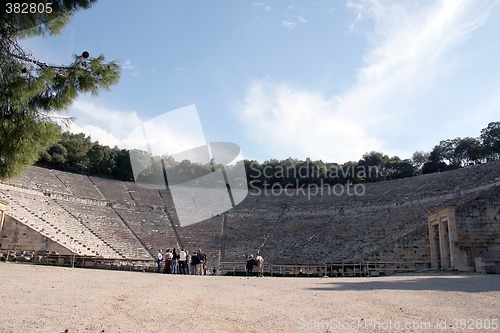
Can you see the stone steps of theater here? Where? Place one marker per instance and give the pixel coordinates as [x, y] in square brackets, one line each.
[261, 212]
[113, 190]
[144, 196]
[296, 239]
[80, 185]
[152, 228]
[155, 242]
[106, 225]
[40, 178]
[67, 233]
[80, 245]
[379, 192]
[337, 244]
[246, 234]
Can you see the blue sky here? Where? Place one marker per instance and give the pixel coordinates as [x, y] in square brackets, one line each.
[327, 80]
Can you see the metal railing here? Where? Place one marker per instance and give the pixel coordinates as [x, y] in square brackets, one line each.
[74, 260]
[340, 269]
[237, 268]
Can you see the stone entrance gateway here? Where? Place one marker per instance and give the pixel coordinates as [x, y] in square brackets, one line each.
[445, 248]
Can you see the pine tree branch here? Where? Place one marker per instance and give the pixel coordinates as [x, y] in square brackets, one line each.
[7, 45]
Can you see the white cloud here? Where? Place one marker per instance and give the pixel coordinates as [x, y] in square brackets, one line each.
[409, 48]
[290, 121]
[130, 68]
[291, 23]
[168, 133]
[288, 24]
[261, 6]
[108, 126]
[96, 134]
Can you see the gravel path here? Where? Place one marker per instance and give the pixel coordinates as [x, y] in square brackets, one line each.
[55, 299]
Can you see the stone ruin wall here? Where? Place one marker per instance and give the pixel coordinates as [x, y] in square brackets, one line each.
[465, 235]
[478, 227]
[477, 219]
[411, 250]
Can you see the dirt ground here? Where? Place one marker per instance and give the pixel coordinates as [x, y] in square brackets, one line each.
[55, 299]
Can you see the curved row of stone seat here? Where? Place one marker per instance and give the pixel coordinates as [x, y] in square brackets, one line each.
[289, 227]
[245, 235]
[52, 221]
[205, 235]
[79, 185]
[153, 228]
[106, 224]
[321, 238]
[143, 196]
[113, 190]
[400, 190]
[380, 192]
[342, 227]
[41, 178]
[20, 181]
[354, 236]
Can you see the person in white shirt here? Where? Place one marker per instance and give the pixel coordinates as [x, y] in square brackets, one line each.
[159, 258]
[260, 264]
[168, 262]
[182, 262]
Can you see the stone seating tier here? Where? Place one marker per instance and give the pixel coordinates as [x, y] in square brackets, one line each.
[153, 228]
[144, 197]
[44, 179]
[105, 223]
[205, 235]
[52, 221]
[78, 184]
[287, 228]
[113, 190]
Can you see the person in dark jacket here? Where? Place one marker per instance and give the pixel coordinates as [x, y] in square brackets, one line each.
[195, 260]
[250, 264]
[175, 262]
[202, 260]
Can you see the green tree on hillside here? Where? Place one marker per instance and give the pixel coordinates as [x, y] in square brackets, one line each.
[101, 159]
[34, 93]
[398, 168]
[490, 137]
[77, 146]
[470, 150]
[374, 161]
[419, 158]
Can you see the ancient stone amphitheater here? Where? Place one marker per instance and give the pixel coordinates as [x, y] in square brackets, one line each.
[75, 214]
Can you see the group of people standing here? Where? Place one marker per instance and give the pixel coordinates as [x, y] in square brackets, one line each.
[256, 264]
[180, 262]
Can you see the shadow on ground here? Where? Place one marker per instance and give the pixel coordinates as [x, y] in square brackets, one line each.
[460, 283]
